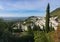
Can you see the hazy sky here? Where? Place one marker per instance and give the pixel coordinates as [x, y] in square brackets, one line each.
[22, 8]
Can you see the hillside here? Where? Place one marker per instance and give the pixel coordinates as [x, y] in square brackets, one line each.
[56, 12]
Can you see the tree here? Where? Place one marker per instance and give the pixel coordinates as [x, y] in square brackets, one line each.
[30, 30]
[47, 18]
[35, 28]
[3, 25]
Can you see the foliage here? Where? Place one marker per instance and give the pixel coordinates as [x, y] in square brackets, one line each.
[40, 36]
[47, 18]
[55, 12]
[35, 35]
[29, 29]
[23, 37]
[36, 28]
[3, 25]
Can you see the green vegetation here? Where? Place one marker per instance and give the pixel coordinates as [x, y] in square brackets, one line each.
[40, 36]
[55, 12]
[35, 35]
[7, 34]
[47, 18]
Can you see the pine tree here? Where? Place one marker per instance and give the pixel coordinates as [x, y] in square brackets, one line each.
[47, 18]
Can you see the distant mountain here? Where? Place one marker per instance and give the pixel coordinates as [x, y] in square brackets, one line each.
[56, 12]
[14, 18]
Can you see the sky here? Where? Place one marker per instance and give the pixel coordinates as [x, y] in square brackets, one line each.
[24, 8]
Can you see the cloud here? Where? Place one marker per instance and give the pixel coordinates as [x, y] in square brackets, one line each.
[26, 7]
[1, 8]
[28, 4]
[23, 4]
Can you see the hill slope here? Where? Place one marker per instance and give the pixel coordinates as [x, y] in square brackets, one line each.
[56, 12]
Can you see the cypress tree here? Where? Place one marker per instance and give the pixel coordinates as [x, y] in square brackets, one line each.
[47, 18]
